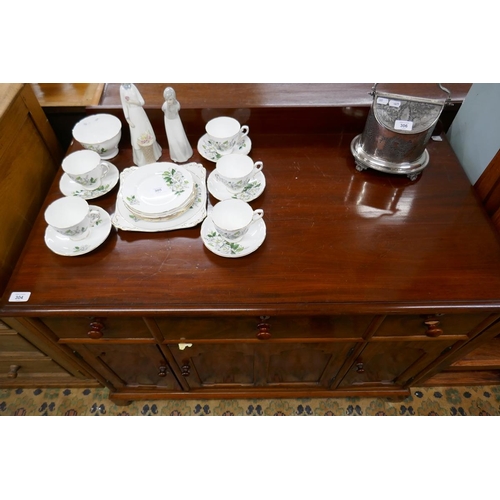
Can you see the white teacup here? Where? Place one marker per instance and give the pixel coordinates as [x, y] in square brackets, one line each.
[224, 133]
[86, 168]
[232, 218]
[235, 171]
[71, 216]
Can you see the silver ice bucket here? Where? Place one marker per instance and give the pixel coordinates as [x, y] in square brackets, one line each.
[396, 132]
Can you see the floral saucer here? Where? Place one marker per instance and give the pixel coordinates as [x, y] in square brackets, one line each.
[69, 187]
[219, 246]
[252, 190]
[62, 245]
[209, 153]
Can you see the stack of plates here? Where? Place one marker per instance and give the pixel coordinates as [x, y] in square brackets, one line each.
[160, 191]
[161, 197]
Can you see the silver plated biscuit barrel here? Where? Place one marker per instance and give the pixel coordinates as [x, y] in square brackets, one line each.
[396, 132]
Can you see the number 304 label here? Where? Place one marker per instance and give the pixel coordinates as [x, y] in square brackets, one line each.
[19, 296]
[403, 125]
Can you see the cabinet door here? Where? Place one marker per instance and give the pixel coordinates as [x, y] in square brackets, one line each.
[129, 365]
[279, 365]
[392, 363]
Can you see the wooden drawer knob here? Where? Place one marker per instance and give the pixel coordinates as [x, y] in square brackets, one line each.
[162, 371]
[432, 325]
[263, 333]
[360, 368]
[13, 369]
[96, 328]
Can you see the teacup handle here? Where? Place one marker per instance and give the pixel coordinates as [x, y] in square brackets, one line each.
[95, 217]
[105, 169]
[257, 214]
[258, 166]
[244, 131]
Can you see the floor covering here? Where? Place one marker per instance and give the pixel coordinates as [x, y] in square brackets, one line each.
[433, 401]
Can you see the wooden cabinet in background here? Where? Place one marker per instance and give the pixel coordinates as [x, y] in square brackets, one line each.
[27, 360]
[29, 158]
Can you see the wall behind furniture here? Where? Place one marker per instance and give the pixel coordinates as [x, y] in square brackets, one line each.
[475, 132]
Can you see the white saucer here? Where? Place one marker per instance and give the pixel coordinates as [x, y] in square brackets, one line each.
[209, 153]
[69, 187]
[219, 246]
[252, 190]
[62, 245]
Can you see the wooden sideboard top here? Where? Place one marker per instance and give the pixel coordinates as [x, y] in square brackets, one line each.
[275, 95]
[338, 241]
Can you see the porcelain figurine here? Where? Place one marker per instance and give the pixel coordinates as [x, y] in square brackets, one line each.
[178, 144]
[144, 145]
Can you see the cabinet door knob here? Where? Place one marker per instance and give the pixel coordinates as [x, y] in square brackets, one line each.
[96, 327]
[185, 368]
[263, 333]
[162, 371]
[432, 325]
[360, 368]
[13, 369]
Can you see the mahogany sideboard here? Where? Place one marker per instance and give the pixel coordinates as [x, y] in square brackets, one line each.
[366, 283]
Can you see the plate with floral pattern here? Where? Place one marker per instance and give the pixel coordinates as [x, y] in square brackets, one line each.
[157, 189]
[126, 220]
[218, 245]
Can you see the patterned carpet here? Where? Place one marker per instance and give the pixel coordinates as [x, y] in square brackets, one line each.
[445, 401]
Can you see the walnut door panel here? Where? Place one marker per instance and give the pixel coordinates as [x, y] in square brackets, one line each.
[209, 365]
[304, 364]
[242, 365]
[429, 325]
[392, 363]
[262, 327]
[98, 328]
[130, 365]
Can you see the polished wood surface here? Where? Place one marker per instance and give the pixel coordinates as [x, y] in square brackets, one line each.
[276, 95]
[338, 240]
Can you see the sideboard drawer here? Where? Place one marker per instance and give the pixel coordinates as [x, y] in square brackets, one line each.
[429, 325]
[19, 368]
[11, 341]
[263, 327]
[96, 328]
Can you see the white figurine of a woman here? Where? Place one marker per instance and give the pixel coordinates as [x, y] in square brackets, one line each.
[178, 144]
[144, 145]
